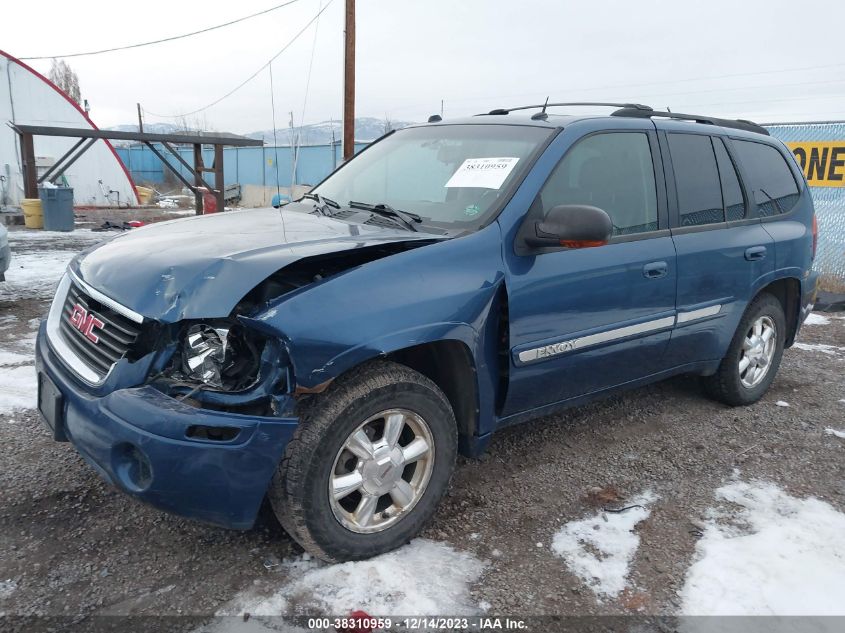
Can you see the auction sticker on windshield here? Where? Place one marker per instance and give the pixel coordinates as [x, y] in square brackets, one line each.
[484, 173]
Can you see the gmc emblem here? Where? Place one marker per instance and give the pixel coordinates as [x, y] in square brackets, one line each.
[86, 323]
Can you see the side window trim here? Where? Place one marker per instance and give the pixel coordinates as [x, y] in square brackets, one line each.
[742, 187]
[752, 213]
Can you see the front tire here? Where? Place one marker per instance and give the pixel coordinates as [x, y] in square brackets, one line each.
[748, 369]
[368, 464]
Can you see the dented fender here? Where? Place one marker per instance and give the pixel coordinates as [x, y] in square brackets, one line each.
[443, 291]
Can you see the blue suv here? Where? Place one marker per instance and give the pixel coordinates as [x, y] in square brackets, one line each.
[454, 278]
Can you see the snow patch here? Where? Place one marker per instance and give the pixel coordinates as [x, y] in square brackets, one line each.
[421, 578]
[781, 403]
[835, 432]
[7, 588]
[18, 388]
[774, 555]
[599, 549]
[816, 319]
[830, 350]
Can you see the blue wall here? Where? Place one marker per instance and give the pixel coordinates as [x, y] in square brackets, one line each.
[241, 165]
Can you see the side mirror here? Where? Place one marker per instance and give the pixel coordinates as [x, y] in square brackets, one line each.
[572, 226]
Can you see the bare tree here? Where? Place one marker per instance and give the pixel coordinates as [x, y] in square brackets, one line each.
[65, 78]
[388, 123]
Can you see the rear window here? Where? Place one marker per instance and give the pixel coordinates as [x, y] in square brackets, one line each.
[771, 181]
[697, 180]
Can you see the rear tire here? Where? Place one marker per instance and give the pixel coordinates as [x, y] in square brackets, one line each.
[748, 369]
[357, 479]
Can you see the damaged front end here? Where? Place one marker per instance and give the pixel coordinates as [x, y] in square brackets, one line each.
[227, 364]
[223, 366]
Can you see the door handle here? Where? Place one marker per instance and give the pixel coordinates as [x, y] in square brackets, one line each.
[755, 253]
[655, 270]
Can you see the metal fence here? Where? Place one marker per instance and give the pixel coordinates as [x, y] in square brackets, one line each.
[820, 150]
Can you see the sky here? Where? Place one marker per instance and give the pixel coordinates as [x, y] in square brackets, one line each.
[766, 60]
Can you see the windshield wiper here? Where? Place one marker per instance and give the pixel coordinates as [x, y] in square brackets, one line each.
[323, 203]
[406, 218]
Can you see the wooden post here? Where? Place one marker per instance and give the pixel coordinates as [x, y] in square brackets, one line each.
[198, 167]
[349, 82]
[30, 178]
[219, 183]
[140, 120]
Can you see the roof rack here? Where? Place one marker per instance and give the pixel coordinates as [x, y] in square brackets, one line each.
[738, 124]
[640, 111]
[542, 114]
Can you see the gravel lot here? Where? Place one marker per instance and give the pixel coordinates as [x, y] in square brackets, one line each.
[70, 545]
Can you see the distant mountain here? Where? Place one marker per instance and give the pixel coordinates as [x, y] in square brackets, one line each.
[366, 129]
[152, 128]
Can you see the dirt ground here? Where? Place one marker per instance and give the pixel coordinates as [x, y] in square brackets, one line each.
[71, 545]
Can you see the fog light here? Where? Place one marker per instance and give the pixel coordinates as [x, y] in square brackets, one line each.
[204, 354]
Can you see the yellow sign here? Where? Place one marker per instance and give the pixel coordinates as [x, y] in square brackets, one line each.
[823, 162]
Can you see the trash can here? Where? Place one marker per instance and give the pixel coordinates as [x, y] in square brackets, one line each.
[32, 214]
[57, 205]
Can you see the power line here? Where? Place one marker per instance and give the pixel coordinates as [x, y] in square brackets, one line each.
[252, 76]
[167, 39]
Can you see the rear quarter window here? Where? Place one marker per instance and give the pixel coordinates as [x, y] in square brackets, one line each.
[770, 179]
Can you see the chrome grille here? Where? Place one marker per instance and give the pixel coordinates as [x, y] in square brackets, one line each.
[115, 337]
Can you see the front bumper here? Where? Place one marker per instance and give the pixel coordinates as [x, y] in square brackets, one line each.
[138, 440]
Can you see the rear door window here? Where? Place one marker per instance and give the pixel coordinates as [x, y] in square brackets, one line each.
[732, 196]
[697, 180]
[771, 181]
[612, 171]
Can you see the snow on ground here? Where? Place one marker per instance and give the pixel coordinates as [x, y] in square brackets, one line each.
[422, 578]
[835, 432]
[770, 554]
[18, 383]
[830, 350]
[599, 549]
[816, 319]
[39, 258]
[782, 403]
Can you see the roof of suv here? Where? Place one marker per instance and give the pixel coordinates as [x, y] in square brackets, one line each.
[630, 110]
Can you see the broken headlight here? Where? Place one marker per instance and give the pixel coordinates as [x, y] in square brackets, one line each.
[220, 356]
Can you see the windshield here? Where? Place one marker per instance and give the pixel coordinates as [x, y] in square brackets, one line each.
[452, 176]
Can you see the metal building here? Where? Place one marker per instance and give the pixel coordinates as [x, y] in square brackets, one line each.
[819, 149]
[98, 178]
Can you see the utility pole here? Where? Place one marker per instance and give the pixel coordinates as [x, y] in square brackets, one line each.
[140, 120]
[349, 82]
[292, 157]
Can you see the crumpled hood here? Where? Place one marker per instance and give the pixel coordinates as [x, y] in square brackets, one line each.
[201, 267]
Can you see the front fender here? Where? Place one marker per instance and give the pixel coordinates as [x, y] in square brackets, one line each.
[442, 291]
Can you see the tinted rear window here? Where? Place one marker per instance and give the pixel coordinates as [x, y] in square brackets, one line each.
[771, 181]
[697, 180]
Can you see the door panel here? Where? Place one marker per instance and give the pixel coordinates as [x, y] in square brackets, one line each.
[583, 320]
[605, 320]
[722, 249]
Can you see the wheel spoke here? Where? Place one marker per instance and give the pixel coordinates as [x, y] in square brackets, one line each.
[758, 328]
[360, 445]
[744, 364]
[768, 333]
[365, 510]
[416, 449]
[393, 426]
[343, 485]
[747, 343]
[402, 493]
